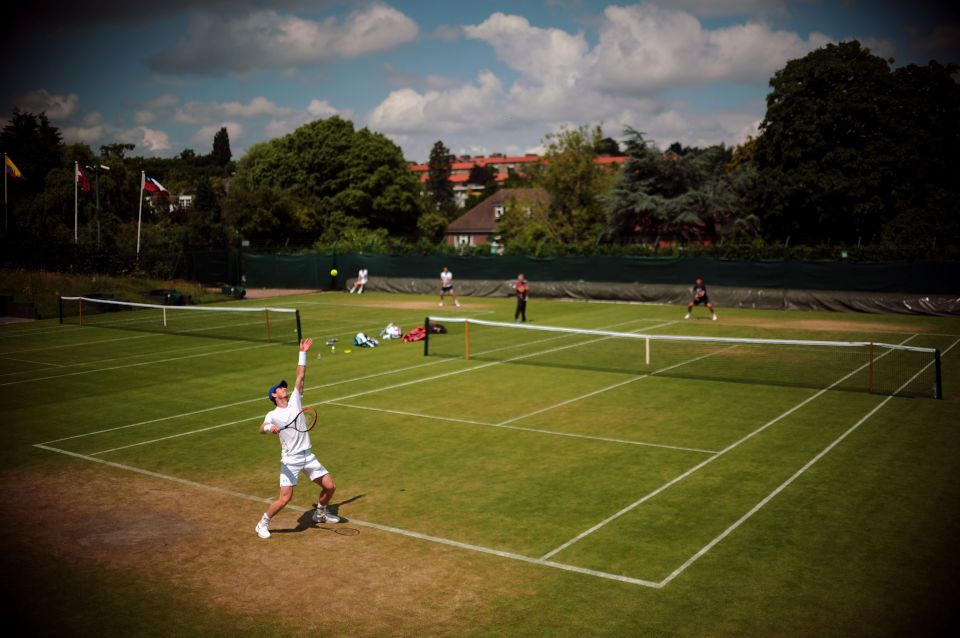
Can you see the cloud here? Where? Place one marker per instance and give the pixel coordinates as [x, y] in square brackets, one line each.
[195, 112]
[268, 40]
[316, 110]
[641, 52]
[541, 55]
[79, 134]
[152, 140]
[644, 48]
[57, 107]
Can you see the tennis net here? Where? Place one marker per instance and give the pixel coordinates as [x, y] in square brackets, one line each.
[879, 368]
[280, 325]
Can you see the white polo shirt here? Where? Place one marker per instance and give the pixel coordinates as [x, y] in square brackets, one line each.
[292, 441]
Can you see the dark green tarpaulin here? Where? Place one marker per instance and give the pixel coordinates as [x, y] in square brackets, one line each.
[312, 270]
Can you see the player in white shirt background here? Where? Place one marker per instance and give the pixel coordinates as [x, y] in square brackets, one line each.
[446, 286]
[360, 283]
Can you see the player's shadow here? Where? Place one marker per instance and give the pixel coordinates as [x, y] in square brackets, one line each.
[305, 521]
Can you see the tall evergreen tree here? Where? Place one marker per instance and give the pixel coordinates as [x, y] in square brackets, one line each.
[438, 186]
[221, 154]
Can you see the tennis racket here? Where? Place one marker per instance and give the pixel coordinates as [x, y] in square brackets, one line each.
[304, 421]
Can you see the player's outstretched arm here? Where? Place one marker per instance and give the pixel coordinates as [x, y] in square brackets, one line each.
[302, 364]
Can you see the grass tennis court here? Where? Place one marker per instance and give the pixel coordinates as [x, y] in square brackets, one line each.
[507, 495]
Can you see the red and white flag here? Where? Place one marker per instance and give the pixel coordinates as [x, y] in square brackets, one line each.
[154, 186]
[82, 180]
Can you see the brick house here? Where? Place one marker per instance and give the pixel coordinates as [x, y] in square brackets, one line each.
[478, 226]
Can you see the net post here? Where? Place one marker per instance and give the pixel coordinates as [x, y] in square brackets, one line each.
[938, 380]
[81, 311]
[164, 317]
[426, 336]
[266, 314]
[466, 338]
[647, 350]
[299, 331]
[870, 378]
[60, 305]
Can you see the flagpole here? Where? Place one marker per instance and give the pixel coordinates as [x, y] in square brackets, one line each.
[143, 175]
[76, 176]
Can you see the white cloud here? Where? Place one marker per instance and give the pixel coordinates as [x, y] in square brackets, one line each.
[541, 55]
[269, 40]
[644, 48]
[316, 110]
[78, 134]
[152, 140]
[321, 109]
[465, 107]
[199, 112]
[641, 52]
[57, 107]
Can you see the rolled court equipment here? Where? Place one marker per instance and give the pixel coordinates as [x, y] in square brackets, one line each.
[280, 325]
[860, 366]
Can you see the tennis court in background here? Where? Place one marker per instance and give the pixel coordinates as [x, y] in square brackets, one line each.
[583, 464]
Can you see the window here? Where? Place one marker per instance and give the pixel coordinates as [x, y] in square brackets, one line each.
[464, 240]
[498, 211]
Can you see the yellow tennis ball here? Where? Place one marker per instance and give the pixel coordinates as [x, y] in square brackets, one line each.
[333, 273]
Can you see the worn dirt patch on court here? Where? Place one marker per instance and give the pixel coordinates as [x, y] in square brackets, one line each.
[264, 293]
[824, 325]
[203, 544]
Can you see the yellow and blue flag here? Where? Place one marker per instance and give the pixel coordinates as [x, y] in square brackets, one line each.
[12, 169]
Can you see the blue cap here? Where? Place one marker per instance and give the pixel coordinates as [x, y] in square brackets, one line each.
[273, 389]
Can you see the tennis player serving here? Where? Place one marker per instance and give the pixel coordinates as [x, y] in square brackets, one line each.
[290, 423]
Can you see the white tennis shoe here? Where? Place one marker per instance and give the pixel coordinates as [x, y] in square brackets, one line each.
[686, 316]
[714, 316]
[263, 528]
[322, 515]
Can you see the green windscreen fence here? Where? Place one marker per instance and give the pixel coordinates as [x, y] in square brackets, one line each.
[312, 270]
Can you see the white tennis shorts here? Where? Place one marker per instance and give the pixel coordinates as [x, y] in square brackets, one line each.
[291, 466]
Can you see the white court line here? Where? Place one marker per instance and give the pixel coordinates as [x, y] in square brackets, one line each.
[309, 388]
[706, 548]
[519, 428]
[139, 355]
[384, 528]
[133, 365]
[36, 363]
[82, 344]
[702, 464]
[538, 561]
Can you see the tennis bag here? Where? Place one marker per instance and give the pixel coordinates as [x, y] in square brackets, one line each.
[364, 341]
[417, 334]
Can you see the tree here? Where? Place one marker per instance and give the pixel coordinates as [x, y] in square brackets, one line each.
[575, 183]
[678, 197]
[607, 146]
[323, 171]
[438, 186]
[35, 146]
[221, 154]
[847, 147]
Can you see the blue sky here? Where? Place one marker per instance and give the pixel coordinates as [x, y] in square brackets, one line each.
[483, 77]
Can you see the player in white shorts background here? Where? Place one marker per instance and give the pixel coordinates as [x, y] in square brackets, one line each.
[296, 453]
[446, 286]
[361, 282]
